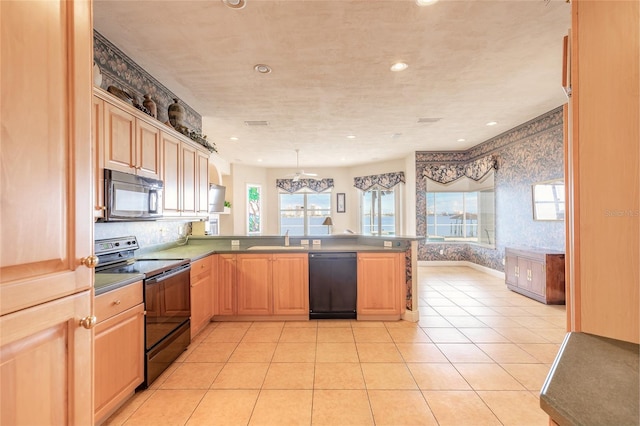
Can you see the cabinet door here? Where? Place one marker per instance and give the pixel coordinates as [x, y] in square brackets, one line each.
[147, 150]
[255, 293]
[524, 273]
[290, 284]
[379, 283]
[119, 139]
[226, 302]
[202, 187]
[201, 309]
[171, 174]
[189, 179]
[119, 359]
[45, 373]
[511, 269]
[45, 212]
[97, 147]
[537, 278]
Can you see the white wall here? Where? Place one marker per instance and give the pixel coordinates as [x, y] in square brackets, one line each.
[343, 181]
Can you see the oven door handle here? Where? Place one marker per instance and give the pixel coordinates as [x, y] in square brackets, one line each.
[154, 280]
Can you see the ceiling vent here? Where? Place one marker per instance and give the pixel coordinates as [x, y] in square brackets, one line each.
[256, 123]
[429, 119]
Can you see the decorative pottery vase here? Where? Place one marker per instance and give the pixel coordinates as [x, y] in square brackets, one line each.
[149, 104]
[176, 114]
[97, 75]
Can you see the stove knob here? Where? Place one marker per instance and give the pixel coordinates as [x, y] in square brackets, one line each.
[117, 244]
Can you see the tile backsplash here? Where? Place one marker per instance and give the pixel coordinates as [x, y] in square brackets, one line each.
[148, 233]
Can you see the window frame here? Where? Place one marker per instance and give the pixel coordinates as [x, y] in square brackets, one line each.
[379, 226]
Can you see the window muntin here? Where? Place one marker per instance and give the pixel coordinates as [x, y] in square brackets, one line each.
[303, 213]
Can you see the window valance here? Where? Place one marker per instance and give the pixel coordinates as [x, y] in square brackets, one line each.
[386, 181]
[315, 185]
[476, 170]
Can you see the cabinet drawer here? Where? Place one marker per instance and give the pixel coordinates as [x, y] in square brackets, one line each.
[200, 269]
[116, 301]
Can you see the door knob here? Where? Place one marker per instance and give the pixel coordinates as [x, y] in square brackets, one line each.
[90, 261]
[88, 322]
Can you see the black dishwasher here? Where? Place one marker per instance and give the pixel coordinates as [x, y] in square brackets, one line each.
[332, 285]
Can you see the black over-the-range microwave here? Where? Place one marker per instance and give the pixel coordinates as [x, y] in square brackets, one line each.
[131, 197]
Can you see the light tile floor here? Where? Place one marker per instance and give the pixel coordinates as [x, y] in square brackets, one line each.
[478, 356]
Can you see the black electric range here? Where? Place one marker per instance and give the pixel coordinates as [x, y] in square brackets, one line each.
[167, 300]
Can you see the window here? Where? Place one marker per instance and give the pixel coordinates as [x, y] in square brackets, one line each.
[466, 214]
[378, 212]
[254, 207]
[548, 200]
[302, 213]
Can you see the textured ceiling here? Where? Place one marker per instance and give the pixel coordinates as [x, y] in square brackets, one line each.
[470, 62]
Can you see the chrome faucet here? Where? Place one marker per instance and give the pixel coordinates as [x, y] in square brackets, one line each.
[286, 238]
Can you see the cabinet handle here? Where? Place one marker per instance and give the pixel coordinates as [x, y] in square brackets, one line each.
[88, 322]
[100, 208]
[517, 270]
[90, 261]
[117, 302]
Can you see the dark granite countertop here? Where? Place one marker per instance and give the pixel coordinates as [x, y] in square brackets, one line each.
[593, 381]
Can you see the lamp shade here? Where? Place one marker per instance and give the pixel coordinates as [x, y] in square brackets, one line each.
[327, 221]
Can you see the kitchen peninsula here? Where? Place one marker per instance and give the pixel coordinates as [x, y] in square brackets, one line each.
[260, 278]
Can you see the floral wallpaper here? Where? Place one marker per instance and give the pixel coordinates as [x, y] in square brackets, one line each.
[315, 185]
[119, 70]
[532, 152]
[386, 181]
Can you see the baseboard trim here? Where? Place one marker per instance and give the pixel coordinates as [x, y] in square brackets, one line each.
[475, 266]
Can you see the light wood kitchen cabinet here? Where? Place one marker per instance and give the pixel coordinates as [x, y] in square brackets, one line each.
[379, 285]
[603, 170]
[254, 284]
[290, 284]
[262, 285]
[119, 348]
[225, 285]
[131, 145]
[45, 213]
[538, 274]
[201, 293]
[185, 175]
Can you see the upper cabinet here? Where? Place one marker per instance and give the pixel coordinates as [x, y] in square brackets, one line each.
[45, 213]
[126, 140]
[603, 169]
[131, 145]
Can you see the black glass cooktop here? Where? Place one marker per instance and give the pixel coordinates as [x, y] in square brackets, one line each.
[145, 266]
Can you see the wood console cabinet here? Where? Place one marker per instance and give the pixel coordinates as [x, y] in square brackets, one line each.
[536, 273]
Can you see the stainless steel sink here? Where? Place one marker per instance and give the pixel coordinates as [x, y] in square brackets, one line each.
[275, 248]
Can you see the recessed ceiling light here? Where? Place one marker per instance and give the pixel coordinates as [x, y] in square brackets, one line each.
[262, 68]
[399, 66]
[259, 160]
[396, 135]
[425, 2]
[233, 138]
[492, 123]
[351, 136]
[461, 140]
[235, 4]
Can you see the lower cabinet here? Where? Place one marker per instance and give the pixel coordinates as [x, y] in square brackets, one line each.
[262, 285]
[201, 294]
[119, 347]
[538, 274]
[379, 285]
